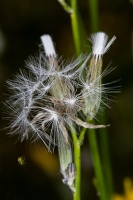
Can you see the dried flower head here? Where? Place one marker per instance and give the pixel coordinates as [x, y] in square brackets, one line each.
[53, 95]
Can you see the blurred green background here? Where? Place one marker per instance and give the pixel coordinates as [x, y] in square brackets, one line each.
[22, 22]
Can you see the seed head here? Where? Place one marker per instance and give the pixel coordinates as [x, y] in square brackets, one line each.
[52, 95]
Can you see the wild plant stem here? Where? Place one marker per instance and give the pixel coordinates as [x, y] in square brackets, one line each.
[82, 135]
[97, 165]
[77, 161]
[76, 142]
[94, 18]
[75, 27]
[66, 7]
[105, 155]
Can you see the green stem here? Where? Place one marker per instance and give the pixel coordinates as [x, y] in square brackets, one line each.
[66, 7]
[75, 27]
[94, 18]
[77, 162]
[97, 165]
[82, 135]
[105, 154]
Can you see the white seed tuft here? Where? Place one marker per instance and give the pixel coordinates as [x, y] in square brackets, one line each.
[48, 46]
[99, 43]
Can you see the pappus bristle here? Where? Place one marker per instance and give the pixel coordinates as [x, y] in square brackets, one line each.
[99, 44]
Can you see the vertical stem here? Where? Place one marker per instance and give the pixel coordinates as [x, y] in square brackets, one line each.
[105, 154]
[93, 10]
[75, 27]
[97, 165]
[76, 142]
[77, 162]
[82, 135]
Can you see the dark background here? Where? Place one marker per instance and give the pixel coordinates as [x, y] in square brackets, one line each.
[22, 22]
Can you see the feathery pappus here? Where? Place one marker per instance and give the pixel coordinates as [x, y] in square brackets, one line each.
[53, 94]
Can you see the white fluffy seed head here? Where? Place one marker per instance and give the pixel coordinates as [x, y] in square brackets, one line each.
[99, 43]
[47, 99]
[48, 46]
